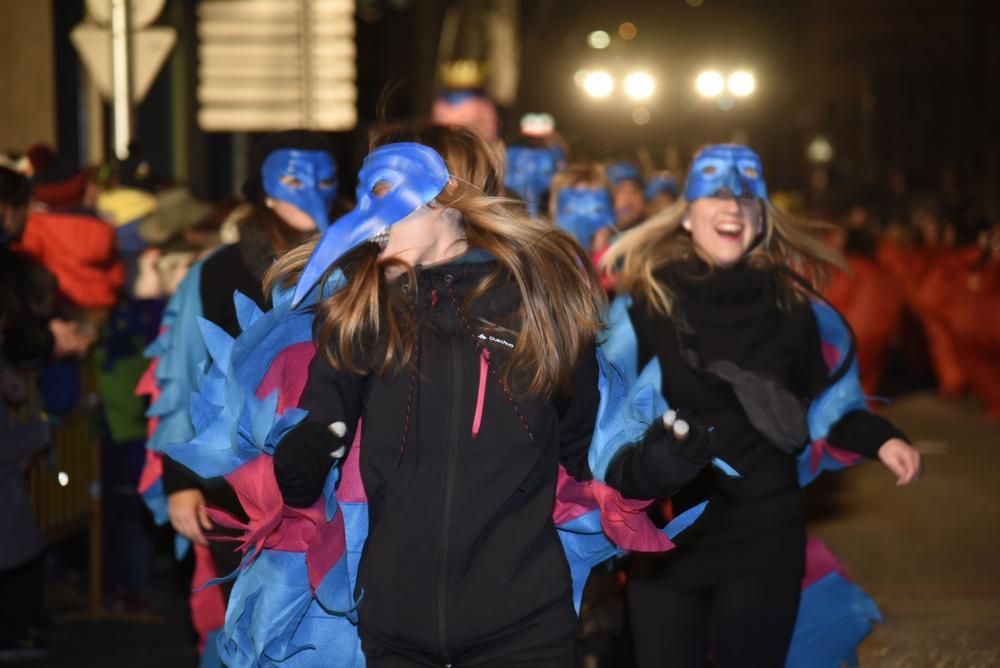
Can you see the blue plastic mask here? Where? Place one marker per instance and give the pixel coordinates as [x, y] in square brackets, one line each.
[623, 171]
[305, 179]
[583, 211]
[414, 175]
[725, 167]
[529, 171]
[662, 183]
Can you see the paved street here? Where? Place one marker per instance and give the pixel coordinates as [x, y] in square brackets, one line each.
[927, 554]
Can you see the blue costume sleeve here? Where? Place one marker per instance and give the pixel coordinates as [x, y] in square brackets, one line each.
[291, 604]
[841, 397]
[179, 354]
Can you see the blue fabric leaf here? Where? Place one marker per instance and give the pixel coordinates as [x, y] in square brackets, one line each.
[834, 617]
[684, 520]
[247, 310]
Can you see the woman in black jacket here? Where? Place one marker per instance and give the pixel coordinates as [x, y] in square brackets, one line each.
[463, 342]
[715, 299]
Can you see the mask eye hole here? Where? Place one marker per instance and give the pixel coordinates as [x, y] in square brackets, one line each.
[750, 172]
[327, 183]
[708, 170]
[381, 189]
[291, 181]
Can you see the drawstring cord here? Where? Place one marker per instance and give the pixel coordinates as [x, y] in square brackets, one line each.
[413, 378]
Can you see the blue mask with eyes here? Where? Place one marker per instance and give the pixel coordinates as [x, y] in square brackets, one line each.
[306, 179]
[662, 183]
[529, 171]
[583, 211]
[725, 167]
[623, 171]
[412, 176]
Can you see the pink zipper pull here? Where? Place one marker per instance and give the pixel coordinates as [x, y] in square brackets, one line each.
[484, 369]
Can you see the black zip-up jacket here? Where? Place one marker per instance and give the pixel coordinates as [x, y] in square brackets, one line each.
[462, 557]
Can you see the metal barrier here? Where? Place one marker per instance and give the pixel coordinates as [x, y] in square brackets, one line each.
[65, 482]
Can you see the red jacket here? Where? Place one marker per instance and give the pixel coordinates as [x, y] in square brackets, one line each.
[80, 250]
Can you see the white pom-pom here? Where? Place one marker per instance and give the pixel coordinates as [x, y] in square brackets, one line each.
[338, 429]
[669, 418]
[681, 430]
[339, 452]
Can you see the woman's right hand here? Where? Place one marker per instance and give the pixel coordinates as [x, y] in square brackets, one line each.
[188, 516]
[70, 339]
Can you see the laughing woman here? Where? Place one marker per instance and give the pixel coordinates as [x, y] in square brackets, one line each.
[719, 296]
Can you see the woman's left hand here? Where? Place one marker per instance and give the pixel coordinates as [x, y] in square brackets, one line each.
[902, 459]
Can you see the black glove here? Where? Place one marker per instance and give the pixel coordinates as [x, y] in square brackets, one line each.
[304, 458]
[671, 453]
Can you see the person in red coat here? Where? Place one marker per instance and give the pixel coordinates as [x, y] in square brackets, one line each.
[65, 235]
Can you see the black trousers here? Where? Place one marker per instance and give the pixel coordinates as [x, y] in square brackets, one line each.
[563, 654]
[22, 596]
[745, 622]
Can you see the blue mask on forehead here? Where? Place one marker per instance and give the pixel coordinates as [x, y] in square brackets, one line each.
[414, 175]
[662, 183]
[583, 211]
[316, 177]
[725, 167]
[529, 171]
[619, 172]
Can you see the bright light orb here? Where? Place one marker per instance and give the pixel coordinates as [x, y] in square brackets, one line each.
[640, 115]
[710, 83]
[639, 86]
[63, 478]
[598, 40]
[598, 83]
[742, 83]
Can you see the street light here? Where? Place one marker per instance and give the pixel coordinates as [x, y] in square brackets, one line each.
[598, 39]
[710, 83]
[742, 83]
[598, 83]
[639, 86]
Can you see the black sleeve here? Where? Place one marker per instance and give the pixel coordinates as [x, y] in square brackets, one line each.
[578, 414]
[812, 375]
[857, 431]
[660, 464]
[648, 329]
[304, 458]
[862, 432]
[177, 477]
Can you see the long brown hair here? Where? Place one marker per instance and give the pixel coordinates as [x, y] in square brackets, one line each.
[560, 294]
[787, 242]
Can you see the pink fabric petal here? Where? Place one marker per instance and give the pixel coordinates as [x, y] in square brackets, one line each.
[225, 520]
[328, 547]
[147, 381]
[624, 520]
[820, 562]
[830, 354]
[821, 447]
[573, 499]
[288, 374]
[626, 523]
[152, 471]
[208, 610]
